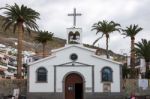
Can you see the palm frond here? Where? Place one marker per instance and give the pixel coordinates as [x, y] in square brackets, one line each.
[143, 49]
[132, 30]
[44, 37]
[15, 14]
[104, 27]
[97, 39]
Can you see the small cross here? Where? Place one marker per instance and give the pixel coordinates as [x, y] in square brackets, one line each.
[74, 16]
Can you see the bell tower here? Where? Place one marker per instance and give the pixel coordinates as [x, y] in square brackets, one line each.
[74, 33]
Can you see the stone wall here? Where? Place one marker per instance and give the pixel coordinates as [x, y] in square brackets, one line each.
[8, 85]
[130, 86]
[88, 95]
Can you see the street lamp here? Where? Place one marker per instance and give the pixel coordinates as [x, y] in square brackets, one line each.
[16, 46]
[16, 43]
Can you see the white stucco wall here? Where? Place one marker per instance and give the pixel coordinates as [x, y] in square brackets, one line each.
[61, 57]
[41, 87]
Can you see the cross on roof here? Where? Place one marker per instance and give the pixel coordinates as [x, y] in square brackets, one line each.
[74, 16]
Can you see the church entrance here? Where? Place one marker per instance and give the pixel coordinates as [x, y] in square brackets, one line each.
[74, 86]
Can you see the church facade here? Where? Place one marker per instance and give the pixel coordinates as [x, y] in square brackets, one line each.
[74, 72]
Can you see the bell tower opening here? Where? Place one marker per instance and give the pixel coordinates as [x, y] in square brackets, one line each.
[74, 35]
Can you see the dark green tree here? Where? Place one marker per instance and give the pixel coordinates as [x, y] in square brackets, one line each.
[20, 17]
[142, 49]
[43, 37]
[131, 32]
[105, 28]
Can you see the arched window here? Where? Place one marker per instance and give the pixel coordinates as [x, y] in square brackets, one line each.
[107, 74]
[70, 36]
[77, 35]
[41, 74]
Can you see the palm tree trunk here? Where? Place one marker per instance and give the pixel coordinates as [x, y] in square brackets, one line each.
[147, 68]
[19, 53]
[107, 53]
[132, 59]
[44, 44]
[147, 65]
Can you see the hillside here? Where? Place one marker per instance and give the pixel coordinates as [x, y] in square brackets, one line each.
[101, 51]
[9, 38]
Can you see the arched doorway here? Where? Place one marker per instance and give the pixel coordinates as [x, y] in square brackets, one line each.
[73, 86]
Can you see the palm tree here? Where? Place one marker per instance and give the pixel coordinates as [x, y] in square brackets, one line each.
[20, 17]
[143, 49]
[43, 37]
[105, 28]
[131, 32]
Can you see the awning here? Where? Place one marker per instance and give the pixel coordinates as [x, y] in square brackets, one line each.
[3, 68]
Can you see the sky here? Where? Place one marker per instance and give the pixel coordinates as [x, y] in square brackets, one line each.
[53, 18]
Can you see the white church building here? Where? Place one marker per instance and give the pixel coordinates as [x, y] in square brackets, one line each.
[74, 72]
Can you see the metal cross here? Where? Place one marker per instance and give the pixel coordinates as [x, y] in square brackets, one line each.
[74, 16]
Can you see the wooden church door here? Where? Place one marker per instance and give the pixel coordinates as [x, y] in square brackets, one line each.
[73, 86]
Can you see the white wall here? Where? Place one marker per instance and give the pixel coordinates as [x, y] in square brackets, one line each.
[142, 66]
[41, 87]
[115, 85]
[84, 56]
